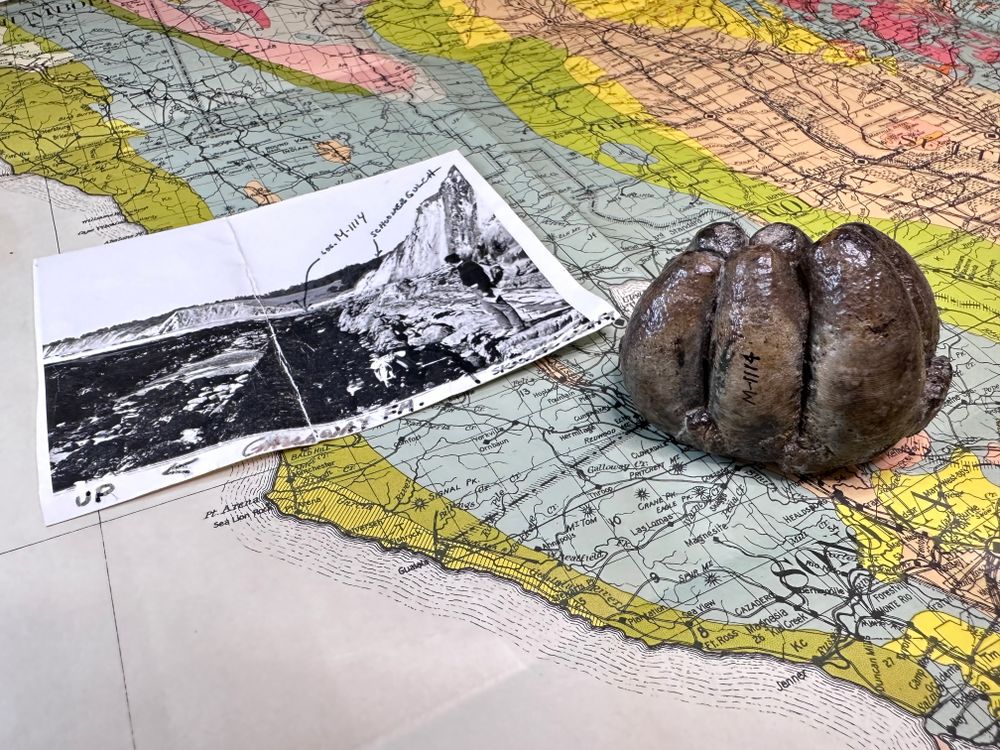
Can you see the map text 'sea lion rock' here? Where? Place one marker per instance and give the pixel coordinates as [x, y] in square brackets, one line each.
[778, 350]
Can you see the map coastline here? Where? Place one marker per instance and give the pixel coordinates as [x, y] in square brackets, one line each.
[691, 674]
[297, 492]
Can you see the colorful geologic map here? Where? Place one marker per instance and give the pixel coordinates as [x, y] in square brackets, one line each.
[615, 129]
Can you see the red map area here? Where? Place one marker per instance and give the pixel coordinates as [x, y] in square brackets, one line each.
[251, 9]
[914, 27]
[925, 28]
[845, 12]
[809, 7]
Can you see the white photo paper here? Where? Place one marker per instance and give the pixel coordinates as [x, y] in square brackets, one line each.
[167, 356]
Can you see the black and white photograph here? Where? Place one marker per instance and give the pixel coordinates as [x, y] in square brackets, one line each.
[413, 290]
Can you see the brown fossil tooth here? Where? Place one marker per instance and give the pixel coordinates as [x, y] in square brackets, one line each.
[917, 287]
[938, 369]
[776, 350]
[865, 370]
[790, 240]
[935, 389]
[758, 342]
[664, 349]
[722, 238]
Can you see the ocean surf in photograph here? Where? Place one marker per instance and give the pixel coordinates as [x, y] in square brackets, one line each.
[166, 356]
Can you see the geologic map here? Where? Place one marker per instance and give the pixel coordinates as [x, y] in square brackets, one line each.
[861, 608]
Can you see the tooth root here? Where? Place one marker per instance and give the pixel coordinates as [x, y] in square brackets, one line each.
[663, 351]
[757, 353]
[864, 335]
[935, 390]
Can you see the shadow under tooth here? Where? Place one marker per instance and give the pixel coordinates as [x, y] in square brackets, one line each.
[758, 344]
[663, 349]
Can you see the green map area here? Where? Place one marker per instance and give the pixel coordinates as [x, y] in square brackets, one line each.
[615, 129]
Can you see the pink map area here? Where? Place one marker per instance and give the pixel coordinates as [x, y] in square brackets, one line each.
[993, 454]
[340, 63]
[844, 12]
[809, 7]
[914, 27]
[923, 27]
[905, 454]
[251, 9]
[926, 29]
[987, 48]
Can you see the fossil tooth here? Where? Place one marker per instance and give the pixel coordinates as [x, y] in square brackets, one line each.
[722, 238]
[775, 349]
[756, 365]
[666, 344]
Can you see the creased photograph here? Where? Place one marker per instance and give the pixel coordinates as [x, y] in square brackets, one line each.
[293, 323]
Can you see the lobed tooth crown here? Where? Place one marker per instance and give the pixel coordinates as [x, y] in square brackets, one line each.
[722, 238]
[787, 239]
[775, 349]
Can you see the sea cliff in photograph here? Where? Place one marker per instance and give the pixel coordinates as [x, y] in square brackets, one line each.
[455, 296]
